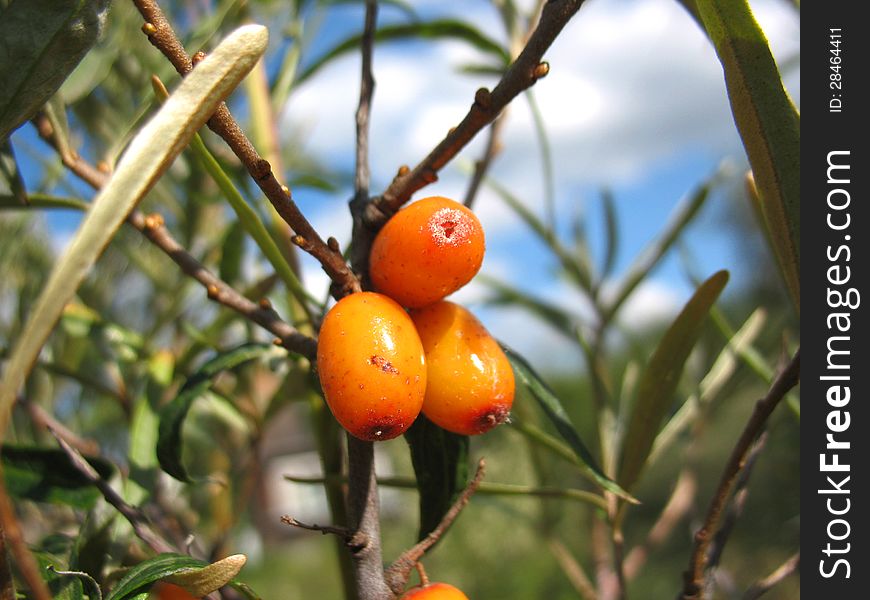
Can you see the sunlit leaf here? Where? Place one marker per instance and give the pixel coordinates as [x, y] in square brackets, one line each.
[440, 460]
[43, 41]
[768, 122]
[658, 383]
[47, 475]
[173, 414]
[552, 407]
[148, 156]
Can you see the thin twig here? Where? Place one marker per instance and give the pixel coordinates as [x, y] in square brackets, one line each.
[7, 586]
[137, 520]
[693, 584]
[573, 570]
[761, 587]
[342, 532]
[163, 37]
[362, 234]
[152, 228]
[398, 573]
[11, 530]
[677, 507]
[521, 75]
[738, 504]
[47, 421]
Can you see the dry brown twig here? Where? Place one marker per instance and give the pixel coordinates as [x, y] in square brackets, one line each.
[761, 587]
[10, 530]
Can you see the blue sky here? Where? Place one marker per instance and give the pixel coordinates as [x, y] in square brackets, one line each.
[634, 101]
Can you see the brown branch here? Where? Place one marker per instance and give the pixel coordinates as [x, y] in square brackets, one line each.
[398, 573]
[761, 587]
[137, 520]
[694, 576]
[677, 507]
[573, 570]
[362, 234]
[738, 504]
[10, 529]
[152, 228]
[162, 36]
[363, 510]
[521, 75]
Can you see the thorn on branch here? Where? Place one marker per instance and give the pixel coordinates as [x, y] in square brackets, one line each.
[333, 245]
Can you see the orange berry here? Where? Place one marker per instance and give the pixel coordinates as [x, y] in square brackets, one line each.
[471, 382]
[169, 591]
[435, 591]
[371, 366]
[426, 251]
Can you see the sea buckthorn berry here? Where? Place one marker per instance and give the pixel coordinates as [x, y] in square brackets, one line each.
[434, 591]
[470, 385]
[426, 251]
[169, 591]
[371, 366]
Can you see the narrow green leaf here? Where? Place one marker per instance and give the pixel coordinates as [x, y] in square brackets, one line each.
[193, 574]
[768, 122]
[43, 41]
[554, 410]
[173, 414]
[611, 230]
[149, 155]
[11, 183]
[232, 253]
[438, 29]
[8, 201]
[507, 295]
[440, 460]
[574, 267]
[650, 256]
[658, 383]
[47, 475]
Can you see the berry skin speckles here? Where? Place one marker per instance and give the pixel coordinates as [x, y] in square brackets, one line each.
[427, 251]
[371, 366]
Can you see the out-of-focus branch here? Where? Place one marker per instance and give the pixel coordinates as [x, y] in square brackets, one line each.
[573, 570]
[162, 36]
[481, 166]
[759, 588]
[363, 235]
[693, 583]
[152, 228]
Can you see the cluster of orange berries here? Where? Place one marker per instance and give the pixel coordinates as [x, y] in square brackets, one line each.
[379, 365]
